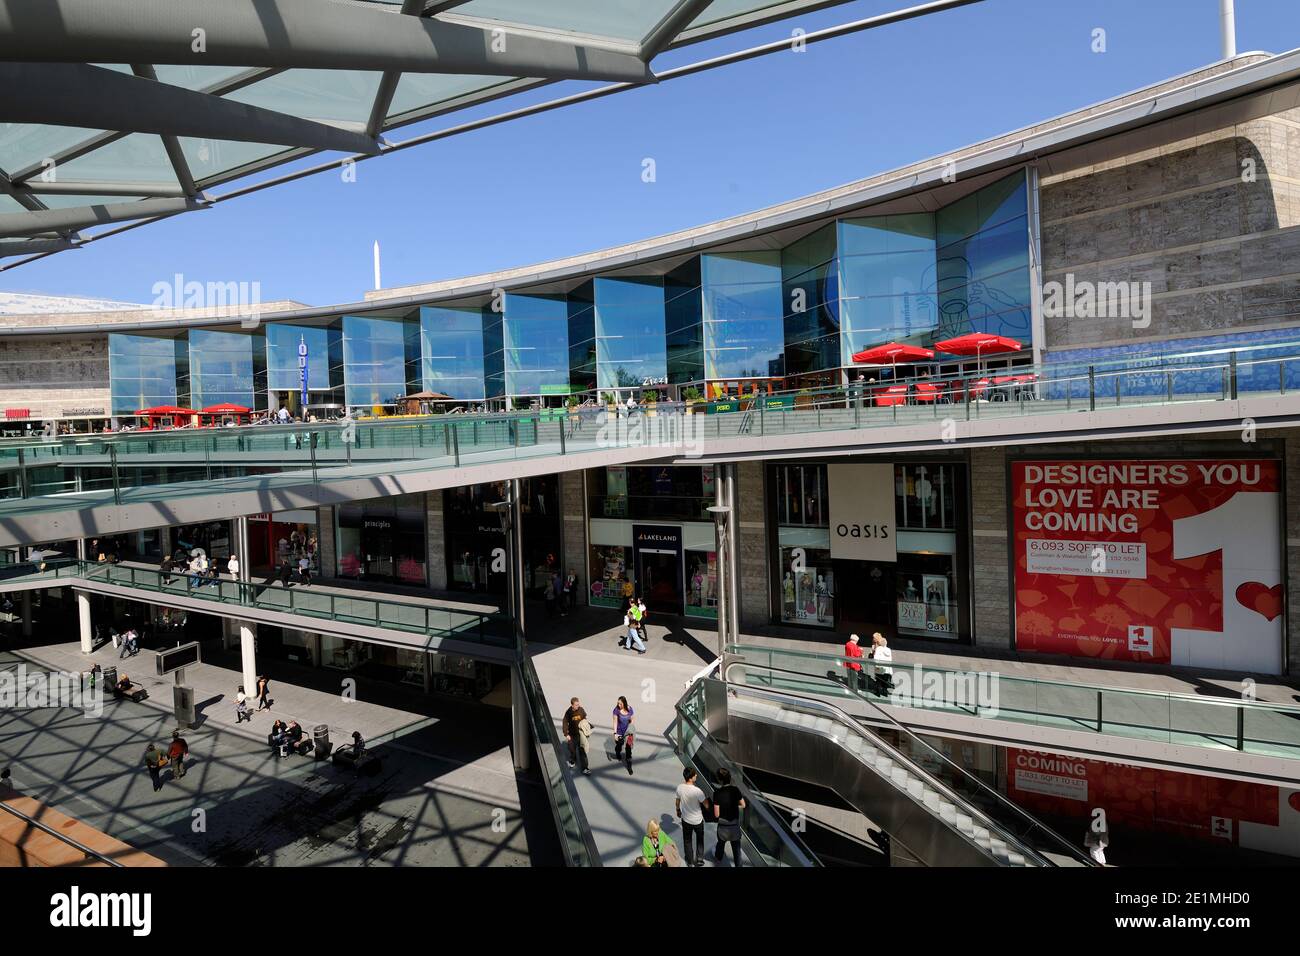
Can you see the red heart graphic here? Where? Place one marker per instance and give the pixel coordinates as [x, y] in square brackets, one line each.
[1260, 599]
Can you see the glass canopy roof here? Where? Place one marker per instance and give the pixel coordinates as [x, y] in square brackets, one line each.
[82, 174]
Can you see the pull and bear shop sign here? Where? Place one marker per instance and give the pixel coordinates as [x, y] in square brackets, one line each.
[1165, 561]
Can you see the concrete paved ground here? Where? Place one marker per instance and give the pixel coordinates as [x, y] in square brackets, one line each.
[447, 793]
[618, 805]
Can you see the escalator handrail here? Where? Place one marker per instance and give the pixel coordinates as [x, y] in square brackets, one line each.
[980, 785]
[754, 797]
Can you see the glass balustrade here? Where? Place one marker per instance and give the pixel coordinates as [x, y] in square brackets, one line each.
[75, 471]
[1254, 727]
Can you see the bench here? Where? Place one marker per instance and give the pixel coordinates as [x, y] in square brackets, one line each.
[369, 763]
[132, 691]
[302, 747]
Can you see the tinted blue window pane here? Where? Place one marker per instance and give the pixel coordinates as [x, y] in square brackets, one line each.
[536, 344]
[744, 333]
[452, 352]
[887, 273]
[810, 301]
[142, 372]
[282, 357]
[582, 338]
[684, 323]
[223, 367]
[375, 355]
[630, 345]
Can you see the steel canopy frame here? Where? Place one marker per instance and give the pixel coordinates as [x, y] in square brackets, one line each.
[666, 34]
[308, 34]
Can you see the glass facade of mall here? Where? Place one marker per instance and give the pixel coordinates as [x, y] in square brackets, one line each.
[720, 322]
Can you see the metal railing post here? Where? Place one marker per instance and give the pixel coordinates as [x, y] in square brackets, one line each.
[1232, 375]
[1092, 388]
[1169, 385]
[561, 425]
[1099, 693]
[455, 445]
[1118, 389]
[1241, 729]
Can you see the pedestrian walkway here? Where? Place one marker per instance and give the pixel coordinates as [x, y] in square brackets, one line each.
[440, 798]
[618, 805]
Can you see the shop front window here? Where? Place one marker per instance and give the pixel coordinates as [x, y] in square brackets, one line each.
[807, 586]
[702, 584]
[611, 580]
[383, 540]
[926, 595]
[801, 495]
[925, 496]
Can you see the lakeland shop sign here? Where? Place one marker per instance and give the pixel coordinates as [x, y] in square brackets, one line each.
[1164, 561]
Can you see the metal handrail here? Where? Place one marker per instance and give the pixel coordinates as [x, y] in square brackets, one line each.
[980, 785]
[1073, 685]
[61, 837]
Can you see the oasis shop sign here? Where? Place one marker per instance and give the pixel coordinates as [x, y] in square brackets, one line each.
[862, 512]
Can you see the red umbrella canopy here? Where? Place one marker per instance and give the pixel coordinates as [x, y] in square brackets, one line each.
[978, 343]
[891, 353]
[166, 410]
[226, 408]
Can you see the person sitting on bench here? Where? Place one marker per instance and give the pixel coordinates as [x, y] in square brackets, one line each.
[293, 736]
[123, 684]
[277, 735]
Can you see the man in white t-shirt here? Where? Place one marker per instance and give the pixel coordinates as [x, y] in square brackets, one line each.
[690, 811]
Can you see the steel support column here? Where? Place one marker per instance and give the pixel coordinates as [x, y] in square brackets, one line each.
[248, 656]
[83, 622]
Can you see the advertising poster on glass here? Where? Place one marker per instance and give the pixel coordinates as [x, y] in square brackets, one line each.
[1160, 561]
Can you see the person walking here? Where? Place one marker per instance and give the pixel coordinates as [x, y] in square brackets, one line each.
[549, 594]
[574, 719]
[286, 572]
[153, 762]
[263, 693]
[623, 734]
[629, 626]
[232, 565]
[853, 675]
[304, 570]
[165, 567]
[567, 596]
[242, 712]
[690, 802]
[657, 847]
[640, 617]
[176, 753]
[727, 804]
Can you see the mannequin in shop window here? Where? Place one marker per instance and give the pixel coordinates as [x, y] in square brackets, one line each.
[823, 598]
[787, 593]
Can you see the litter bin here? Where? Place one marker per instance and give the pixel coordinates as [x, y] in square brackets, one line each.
[320, 739]
[109, 677]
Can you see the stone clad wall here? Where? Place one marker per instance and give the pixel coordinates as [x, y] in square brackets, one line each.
[51, 376]
[989, 524]
[1220, 249]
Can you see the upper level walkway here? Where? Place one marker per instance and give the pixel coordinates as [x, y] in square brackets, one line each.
[410, 623]
[104, 488]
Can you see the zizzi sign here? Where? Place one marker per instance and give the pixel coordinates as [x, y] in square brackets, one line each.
[862, 512]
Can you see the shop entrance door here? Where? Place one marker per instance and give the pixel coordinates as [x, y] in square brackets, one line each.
[864, 598]
[660, 577]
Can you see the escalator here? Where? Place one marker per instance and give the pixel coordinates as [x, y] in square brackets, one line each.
[944, 818]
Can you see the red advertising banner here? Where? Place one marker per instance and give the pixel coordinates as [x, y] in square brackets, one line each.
[1253, 815]
[1166, 561]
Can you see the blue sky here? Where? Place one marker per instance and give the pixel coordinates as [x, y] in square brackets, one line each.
[725, 142]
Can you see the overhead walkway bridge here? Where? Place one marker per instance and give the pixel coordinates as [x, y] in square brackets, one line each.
[58, 489]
